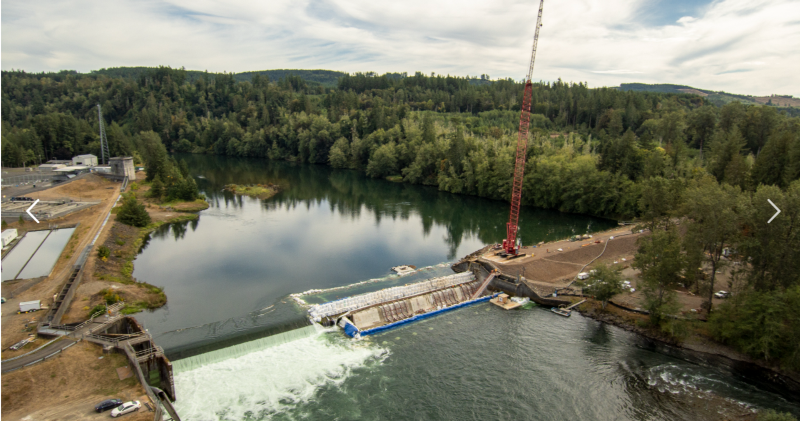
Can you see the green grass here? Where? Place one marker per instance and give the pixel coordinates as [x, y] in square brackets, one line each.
[255, 190]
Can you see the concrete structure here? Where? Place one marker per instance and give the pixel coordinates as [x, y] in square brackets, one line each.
[9, 235]
[105, 169]
[44, 210]
[50, 167]
[72, 169]
[88, 160]
[123, 166]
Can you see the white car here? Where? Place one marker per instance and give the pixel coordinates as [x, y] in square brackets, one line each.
[126, 408]
[722, 294]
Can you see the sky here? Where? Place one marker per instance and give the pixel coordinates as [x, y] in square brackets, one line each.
[738, 46]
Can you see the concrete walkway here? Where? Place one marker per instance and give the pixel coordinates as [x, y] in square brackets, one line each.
[49, 350]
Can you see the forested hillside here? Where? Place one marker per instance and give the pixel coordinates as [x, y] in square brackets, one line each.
[327, 78]
[589, 150]
[785, 103]
[607, 152]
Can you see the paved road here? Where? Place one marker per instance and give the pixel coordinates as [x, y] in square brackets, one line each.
[38, 354]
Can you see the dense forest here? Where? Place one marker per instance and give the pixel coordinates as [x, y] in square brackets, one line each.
[661, 157]
[590, 149]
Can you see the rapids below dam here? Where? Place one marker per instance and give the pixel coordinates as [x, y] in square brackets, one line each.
[242, 349]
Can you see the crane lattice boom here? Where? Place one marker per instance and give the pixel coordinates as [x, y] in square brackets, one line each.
[510, 243]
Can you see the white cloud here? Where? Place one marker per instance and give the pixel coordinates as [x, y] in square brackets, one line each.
[617, 72]
[733, 45]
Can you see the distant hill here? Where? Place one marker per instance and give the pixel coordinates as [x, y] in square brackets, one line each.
[717, 98]
[327, 78]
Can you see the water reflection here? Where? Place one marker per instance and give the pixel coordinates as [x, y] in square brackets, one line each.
[352, 195]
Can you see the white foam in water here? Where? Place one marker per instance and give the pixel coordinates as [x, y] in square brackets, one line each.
[268, 381]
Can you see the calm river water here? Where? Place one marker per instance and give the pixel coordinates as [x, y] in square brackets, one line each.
[228, 276]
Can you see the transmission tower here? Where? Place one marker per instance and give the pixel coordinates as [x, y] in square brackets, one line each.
[510, 243]
[105, 155]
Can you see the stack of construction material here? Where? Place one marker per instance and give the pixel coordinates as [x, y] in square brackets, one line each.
[319, 311]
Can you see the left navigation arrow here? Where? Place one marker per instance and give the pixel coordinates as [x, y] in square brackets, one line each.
[29, 211]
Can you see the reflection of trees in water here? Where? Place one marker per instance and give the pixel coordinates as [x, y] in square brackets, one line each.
[176, 229]
[350, 194]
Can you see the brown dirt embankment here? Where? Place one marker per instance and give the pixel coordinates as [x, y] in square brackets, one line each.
[69, 386]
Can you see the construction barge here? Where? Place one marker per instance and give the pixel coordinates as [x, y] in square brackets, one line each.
[476, 280]
[374, 312]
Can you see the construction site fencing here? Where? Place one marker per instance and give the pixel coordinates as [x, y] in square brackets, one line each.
[317, 312]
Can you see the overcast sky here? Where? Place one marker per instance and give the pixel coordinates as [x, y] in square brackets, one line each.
[739, 46]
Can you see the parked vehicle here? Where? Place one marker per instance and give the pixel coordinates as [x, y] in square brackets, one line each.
[9, 235]
[107, 404]
[126, 408]
[28, 306]
[722, 294]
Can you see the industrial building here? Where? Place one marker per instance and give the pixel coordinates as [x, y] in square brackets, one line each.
[88, 160]
[51, 167]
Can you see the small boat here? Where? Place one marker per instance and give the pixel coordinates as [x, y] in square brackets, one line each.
[561, 311]
[404, 270]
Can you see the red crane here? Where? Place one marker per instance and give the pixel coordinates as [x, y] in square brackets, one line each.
[510, 243]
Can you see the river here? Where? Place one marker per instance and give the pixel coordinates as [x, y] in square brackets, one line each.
[242, 350]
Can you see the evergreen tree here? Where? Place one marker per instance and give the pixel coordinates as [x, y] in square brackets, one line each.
[133, 213]
[157, 188]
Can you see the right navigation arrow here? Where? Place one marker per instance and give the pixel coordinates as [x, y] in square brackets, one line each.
[776, 213]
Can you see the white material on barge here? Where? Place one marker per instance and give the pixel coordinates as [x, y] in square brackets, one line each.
[380, 310]
[317, 312]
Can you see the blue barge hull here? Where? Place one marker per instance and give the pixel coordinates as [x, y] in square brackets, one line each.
[353, 332]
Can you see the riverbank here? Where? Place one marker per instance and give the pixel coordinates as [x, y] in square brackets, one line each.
[696, 340]
[110, 279]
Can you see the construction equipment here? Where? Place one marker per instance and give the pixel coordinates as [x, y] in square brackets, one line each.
[510, 245]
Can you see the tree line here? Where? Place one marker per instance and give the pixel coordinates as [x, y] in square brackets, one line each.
[590, 150]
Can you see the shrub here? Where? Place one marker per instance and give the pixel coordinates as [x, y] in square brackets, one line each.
[111, 297]
[96, 309]
[134, 186]
[103, 252]
[772, 415]
[133, 213]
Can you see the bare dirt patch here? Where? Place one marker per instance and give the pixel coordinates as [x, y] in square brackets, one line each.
[55, 389]
[550, 267]
[88, 188]
[778, 100]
